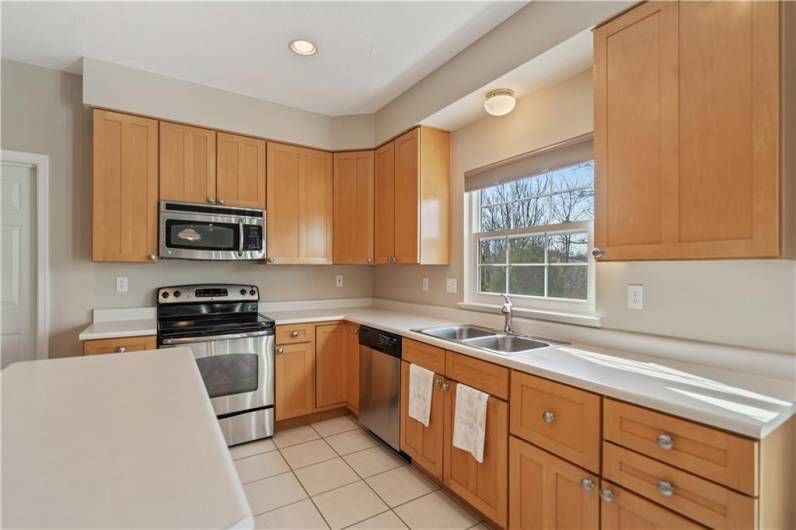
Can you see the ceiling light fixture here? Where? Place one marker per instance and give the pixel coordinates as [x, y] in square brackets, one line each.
[500, 101]
[303, 47]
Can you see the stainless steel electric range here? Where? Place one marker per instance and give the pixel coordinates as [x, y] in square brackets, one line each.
[234, 349]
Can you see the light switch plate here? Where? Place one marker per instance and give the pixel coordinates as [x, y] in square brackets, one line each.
[450, 285]
[121, 284]
[424, 284]
[339, 280]
[635, 297]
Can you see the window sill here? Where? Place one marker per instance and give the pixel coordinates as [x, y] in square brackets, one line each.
[592, 321]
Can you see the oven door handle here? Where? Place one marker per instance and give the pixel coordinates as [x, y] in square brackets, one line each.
[213, 338]
[240, 237]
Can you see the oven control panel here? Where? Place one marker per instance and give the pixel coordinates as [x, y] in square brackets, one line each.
[181, 294]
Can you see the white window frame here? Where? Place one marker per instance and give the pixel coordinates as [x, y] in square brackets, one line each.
[549, 308]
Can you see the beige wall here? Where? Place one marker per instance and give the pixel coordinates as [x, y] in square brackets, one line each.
[741, 303]
[42, 112]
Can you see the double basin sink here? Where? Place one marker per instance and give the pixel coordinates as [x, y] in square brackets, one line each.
[488, 339]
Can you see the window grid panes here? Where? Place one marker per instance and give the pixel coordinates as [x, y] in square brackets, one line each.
[547, 260]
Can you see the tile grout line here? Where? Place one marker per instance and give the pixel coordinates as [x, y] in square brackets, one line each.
[307, 493]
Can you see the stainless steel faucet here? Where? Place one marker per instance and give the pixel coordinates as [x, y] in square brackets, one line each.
[508, 311]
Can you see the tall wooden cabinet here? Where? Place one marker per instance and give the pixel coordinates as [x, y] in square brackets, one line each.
[353, 207]
[125, 188]
[412, 186]
[299, 204]
[241, 171]
[331, 360]
[687, 132]
[187, 163]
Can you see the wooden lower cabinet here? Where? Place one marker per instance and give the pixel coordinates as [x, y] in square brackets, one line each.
[119, 345]
[423, 444]
[295, 380]
[331, 358]
[483, 485]
[352, 366]
[627, 511]
[548, 493]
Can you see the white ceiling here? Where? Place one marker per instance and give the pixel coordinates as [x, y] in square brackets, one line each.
[369, 52]
[572, 56]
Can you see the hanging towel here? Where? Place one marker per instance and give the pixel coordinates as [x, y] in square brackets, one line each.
[421, 385]
[469, 423]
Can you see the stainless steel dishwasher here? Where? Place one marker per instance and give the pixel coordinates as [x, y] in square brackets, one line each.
[380, 384]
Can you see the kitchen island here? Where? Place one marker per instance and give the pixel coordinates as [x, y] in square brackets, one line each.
[115, 441]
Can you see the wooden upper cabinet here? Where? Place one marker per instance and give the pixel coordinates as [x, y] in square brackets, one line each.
[686, 133]
[331, 359]
[384, 203]
[419, 229]
[353, 207]
[300, 204]
[241, 171]
[125, 188]
[187, 163]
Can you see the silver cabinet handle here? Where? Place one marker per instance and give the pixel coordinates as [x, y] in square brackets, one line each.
[269, 260]
[597, 253]
[152, 257]
[607, 495]
[121, 349]
[549, 416]
[221, 201]
[370, 259]
[355, 331]
[211, 200]
[587, 484]
[665, 488]
[437, 381]
[444, 385]
[280, 350]
[294, 333]
[665, 441]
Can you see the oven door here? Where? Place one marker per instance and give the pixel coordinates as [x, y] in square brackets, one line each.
[210, 236]
[237, 369]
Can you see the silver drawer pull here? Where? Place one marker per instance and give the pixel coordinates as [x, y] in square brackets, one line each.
[665, 441]
[607, 495]
[587, 484]
[665, 488]
[280, 350]
[121, 349]
[294, 333]
[549, 416]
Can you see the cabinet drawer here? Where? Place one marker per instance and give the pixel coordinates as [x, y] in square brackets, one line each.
[429, 357]
[716, 455]
[626, 511]
[119, 345]
[295, 333]
[703, 501]
[556, 417]
[484, 376]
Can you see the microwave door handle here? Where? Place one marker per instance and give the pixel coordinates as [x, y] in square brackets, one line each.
[240, 237]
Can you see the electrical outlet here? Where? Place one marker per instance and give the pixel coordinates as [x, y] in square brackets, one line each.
[339, 280]
[635, 297]
[450, 285]
[121, 284]
[425, 284]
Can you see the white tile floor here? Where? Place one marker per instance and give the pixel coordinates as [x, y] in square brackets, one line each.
[332, 474]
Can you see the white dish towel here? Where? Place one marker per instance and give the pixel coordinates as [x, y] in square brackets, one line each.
[421, 386]
[469, 423]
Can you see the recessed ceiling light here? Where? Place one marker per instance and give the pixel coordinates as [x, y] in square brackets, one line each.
[499, 102]
[303, 47]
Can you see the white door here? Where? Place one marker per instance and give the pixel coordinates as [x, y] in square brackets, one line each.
[18, 263]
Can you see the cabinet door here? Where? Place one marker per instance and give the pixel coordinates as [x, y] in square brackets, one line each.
[483, 485]
[119, 345]
[627, 511]
[187, 163]
[384, 203]
[423, 444]
[331, 356]
[548, 493]
[407, 189]
[353, 207]
[352, 381]
[241, 171]
[125, 188]
[300, 203]
[295, 380]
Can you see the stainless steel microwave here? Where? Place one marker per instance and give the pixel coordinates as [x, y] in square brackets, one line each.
[206, 232]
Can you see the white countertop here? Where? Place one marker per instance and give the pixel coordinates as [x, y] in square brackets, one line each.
[742, 403]
[112, 329]
[115, 441]
[752, 405]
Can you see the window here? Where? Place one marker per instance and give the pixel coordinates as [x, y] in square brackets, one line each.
[532, 238]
